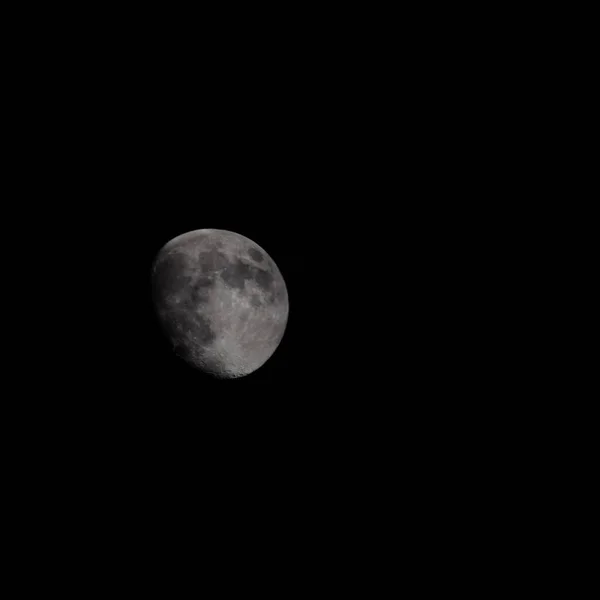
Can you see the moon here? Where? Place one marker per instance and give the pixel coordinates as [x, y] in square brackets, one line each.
[221, 300]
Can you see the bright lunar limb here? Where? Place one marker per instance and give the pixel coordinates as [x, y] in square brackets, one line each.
[221, 300]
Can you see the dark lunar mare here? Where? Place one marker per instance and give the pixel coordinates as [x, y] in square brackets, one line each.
[212, 260]
[255, 301]
[202, 331]
[236, 274]
[169, 277]
[200, 290]
[276, 295]
[264, 279]
[180, 320]
[181, 325]
[255, 254]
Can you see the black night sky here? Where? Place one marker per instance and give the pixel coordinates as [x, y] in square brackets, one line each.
[297, 168]
[314, 159]
[350, 163]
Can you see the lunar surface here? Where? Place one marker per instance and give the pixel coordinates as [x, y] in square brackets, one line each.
[221, 300]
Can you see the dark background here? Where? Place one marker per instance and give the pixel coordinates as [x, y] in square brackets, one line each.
[350, 163]
[328, 159]
[358, 157]
[287, 148]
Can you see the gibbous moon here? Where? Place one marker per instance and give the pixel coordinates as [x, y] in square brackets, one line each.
[221, 300]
